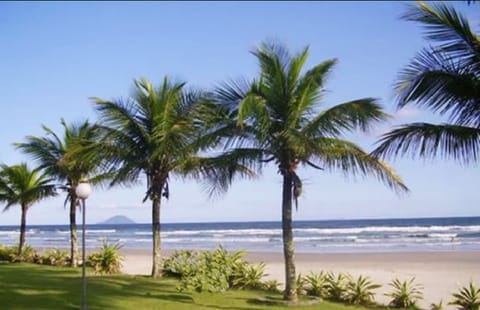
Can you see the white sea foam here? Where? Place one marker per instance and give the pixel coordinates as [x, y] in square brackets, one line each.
[63, 232]
[9, 232]
[378, 229]
[100, 231]
[143, 233]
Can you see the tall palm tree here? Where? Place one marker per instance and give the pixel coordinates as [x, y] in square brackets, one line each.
[54, 155]
[443, 78]
[22, 186]
[281, 121]
[157, 134]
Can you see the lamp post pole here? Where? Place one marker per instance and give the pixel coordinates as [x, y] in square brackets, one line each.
[84, 262]
[82, 191]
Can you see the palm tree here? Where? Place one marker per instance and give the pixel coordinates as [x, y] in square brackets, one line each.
[22, 186]
[444, 78]
[158, 133]
[281, 123]
[54, 156]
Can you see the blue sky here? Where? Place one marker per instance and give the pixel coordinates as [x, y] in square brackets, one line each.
[55, 56]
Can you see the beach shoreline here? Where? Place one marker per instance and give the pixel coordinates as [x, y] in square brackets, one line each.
[439, 272]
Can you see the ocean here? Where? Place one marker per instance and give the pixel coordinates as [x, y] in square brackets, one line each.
[326, 236]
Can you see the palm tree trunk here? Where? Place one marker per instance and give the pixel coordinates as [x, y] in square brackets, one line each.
[73, 230]
[23, 227]
[157, 254]
[290, 293]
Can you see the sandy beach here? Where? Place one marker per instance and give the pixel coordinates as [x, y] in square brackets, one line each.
[440, 273]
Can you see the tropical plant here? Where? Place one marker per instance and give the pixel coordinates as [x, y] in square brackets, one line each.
[360, 291]
[106, 261]
[55, 156]
[23, 186]
[301, 285]
[437, 306]
[271, 286]
[181, 264]
[444, 78]
[337, 286]
[279, 120]
[404, 294]
[158, 133]
[317, 284]
[467, 298]
[8, 252]
[55, 257]
[215, 271]
[28, 255]
[249, 276]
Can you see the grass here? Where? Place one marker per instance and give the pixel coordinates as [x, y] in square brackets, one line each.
[26, 286]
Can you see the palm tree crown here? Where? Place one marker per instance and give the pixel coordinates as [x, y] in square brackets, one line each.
[158, 132]
[444, 78]
[59, 158]
[22, 186]
[55, 155]
[282, 122]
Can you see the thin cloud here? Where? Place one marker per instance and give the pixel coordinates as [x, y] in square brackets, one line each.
[406, 113]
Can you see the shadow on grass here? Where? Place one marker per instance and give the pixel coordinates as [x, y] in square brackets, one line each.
[28, 287]
[25, 286]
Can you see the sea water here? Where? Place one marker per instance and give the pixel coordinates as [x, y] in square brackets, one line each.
[327, 236]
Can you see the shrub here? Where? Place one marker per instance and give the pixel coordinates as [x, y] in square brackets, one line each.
[29, 255]
[360, 291]
[7, 253]
[405, 294]
[107, 261]
[271, 286]
[55, 257]
[301, 285]
[317, 284]
[247, 275]
[434, 306]
[468, 298]
[337, 286]
[181, 263]
[213, 271]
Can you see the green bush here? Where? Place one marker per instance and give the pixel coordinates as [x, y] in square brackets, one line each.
[181, 264]
[405, 294]
[468, 298]
[55, 257]
[247, 275]
[317, 284]
[360, 291]
[29, 255]
[301, 285]
[271, 286]
[337, 286]
[7, 253]
[206, 271]
[438, 306]
[107, 261]
[213, 271]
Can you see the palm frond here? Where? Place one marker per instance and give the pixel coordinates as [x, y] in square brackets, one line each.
[346, 157]
[217, 173]
[358, 114]
[428, 140]
[23, 186]
[434, 81]
[449, 29]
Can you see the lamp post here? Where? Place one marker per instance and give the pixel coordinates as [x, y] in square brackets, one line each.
[82, 191]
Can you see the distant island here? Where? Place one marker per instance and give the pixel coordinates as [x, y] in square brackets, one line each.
[118, 219]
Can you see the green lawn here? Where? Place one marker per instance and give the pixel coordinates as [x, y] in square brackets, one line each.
[25, 286]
